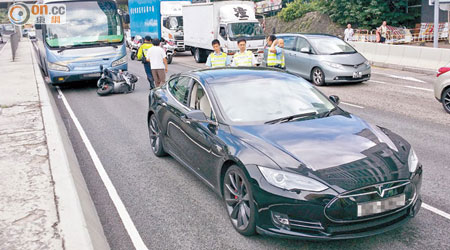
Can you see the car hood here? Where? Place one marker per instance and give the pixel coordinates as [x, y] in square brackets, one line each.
[342, 150]
[346, 59]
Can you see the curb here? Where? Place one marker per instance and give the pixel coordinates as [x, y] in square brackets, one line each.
[403, 68]
[79, 225]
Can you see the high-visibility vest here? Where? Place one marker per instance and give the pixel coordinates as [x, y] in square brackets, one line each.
[272, 60]
[218, 60]
[143, 50]
[243, 59]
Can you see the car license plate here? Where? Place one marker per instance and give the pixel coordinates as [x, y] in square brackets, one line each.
[376, 207]
[92, 75]
[357, 74]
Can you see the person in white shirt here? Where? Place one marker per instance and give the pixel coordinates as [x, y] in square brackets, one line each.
[348, 33]
[157, 57]
[244, 57]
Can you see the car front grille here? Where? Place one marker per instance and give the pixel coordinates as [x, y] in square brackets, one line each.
[368, 225]
[350, 78]
[343, 208]
[179, 37]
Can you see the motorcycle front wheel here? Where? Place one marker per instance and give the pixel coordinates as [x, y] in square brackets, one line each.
[133, 56]
[169, 58]
[105, 89]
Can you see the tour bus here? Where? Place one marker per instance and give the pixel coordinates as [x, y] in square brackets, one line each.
[91, 36]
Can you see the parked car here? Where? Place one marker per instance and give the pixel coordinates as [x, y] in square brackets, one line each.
[323, 59]
[442, 87]
[286, 159]
[32, 35]
[25, 32]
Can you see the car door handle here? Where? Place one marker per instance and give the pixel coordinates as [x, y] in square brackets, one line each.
[184, 119]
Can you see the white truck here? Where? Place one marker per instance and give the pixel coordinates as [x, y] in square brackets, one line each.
[172, 23]
[226, 21]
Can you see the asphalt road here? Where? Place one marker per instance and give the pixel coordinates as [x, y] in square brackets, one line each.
[172, 209]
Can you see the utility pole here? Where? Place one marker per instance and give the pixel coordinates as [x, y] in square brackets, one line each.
[436, 24]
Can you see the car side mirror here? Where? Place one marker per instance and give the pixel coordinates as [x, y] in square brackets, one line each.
[335, 99]
[305, 50]
[196, 116]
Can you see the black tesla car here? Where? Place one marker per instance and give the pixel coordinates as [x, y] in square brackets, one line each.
[287, 160]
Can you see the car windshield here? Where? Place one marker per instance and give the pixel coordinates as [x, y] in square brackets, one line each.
[249, 31]
[263, 100]
[87, 23]
[331, 46]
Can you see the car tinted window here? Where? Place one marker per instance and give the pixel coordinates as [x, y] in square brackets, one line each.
[200, 101]
[179, 87]
[301, 43]
[289, 42]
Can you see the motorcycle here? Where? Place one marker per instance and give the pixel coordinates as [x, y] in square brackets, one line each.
[137, 42]
[115, 81]
[169, 47]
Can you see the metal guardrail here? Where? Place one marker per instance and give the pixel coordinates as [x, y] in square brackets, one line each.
[405, 37]
[14, 39]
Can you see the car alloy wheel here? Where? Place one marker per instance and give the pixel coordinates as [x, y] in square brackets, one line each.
[318, 77]
[446, 100]
[155, 137]
[238, 201]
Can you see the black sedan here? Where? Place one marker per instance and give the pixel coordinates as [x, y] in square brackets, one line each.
[285, 158]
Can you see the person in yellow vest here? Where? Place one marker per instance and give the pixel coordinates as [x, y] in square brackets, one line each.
[244, 57]
[142, 56]
[217, 58]
[275, 54]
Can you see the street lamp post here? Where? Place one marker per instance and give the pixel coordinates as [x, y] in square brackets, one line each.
[436, 24]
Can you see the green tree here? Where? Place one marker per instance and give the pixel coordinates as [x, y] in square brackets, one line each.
[369, 13]
[298, 8]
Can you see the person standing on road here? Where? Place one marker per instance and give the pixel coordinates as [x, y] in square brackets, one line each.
[383, 32]
[157, 58]
[348, 33]
[142, 56]
[244, 57]
[217, 58]
[275, 54]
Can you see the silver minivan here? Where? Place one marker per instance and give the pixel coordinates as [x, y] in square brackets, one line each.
[323, 59]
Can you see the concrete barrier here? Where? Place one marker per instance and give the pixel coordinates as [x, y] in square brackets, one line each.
[416, 58]
[411, 56]
[381, 52]
[445, 58]
[430, 57]
[396, 55]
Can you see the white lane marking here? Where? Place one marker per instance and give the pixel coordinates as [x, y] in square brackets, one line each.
[4, 46]
[405, 86]
[408, 78]
[419, 88]
[121, 209]
[352, 105]
[436, 211]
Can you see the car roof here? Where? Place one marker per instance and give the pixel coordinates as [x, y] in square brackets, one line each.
[233, 74]
[307, 35]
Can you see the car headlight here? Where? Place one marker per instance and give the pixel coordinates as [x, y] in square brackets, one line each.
[58, 67]
[291, 181]
[334, 65]
[367, 63]
[119, 61]
[413, 161]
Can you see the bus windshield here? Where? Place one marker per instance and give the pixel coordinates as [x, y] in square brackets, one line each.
[87, 23]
